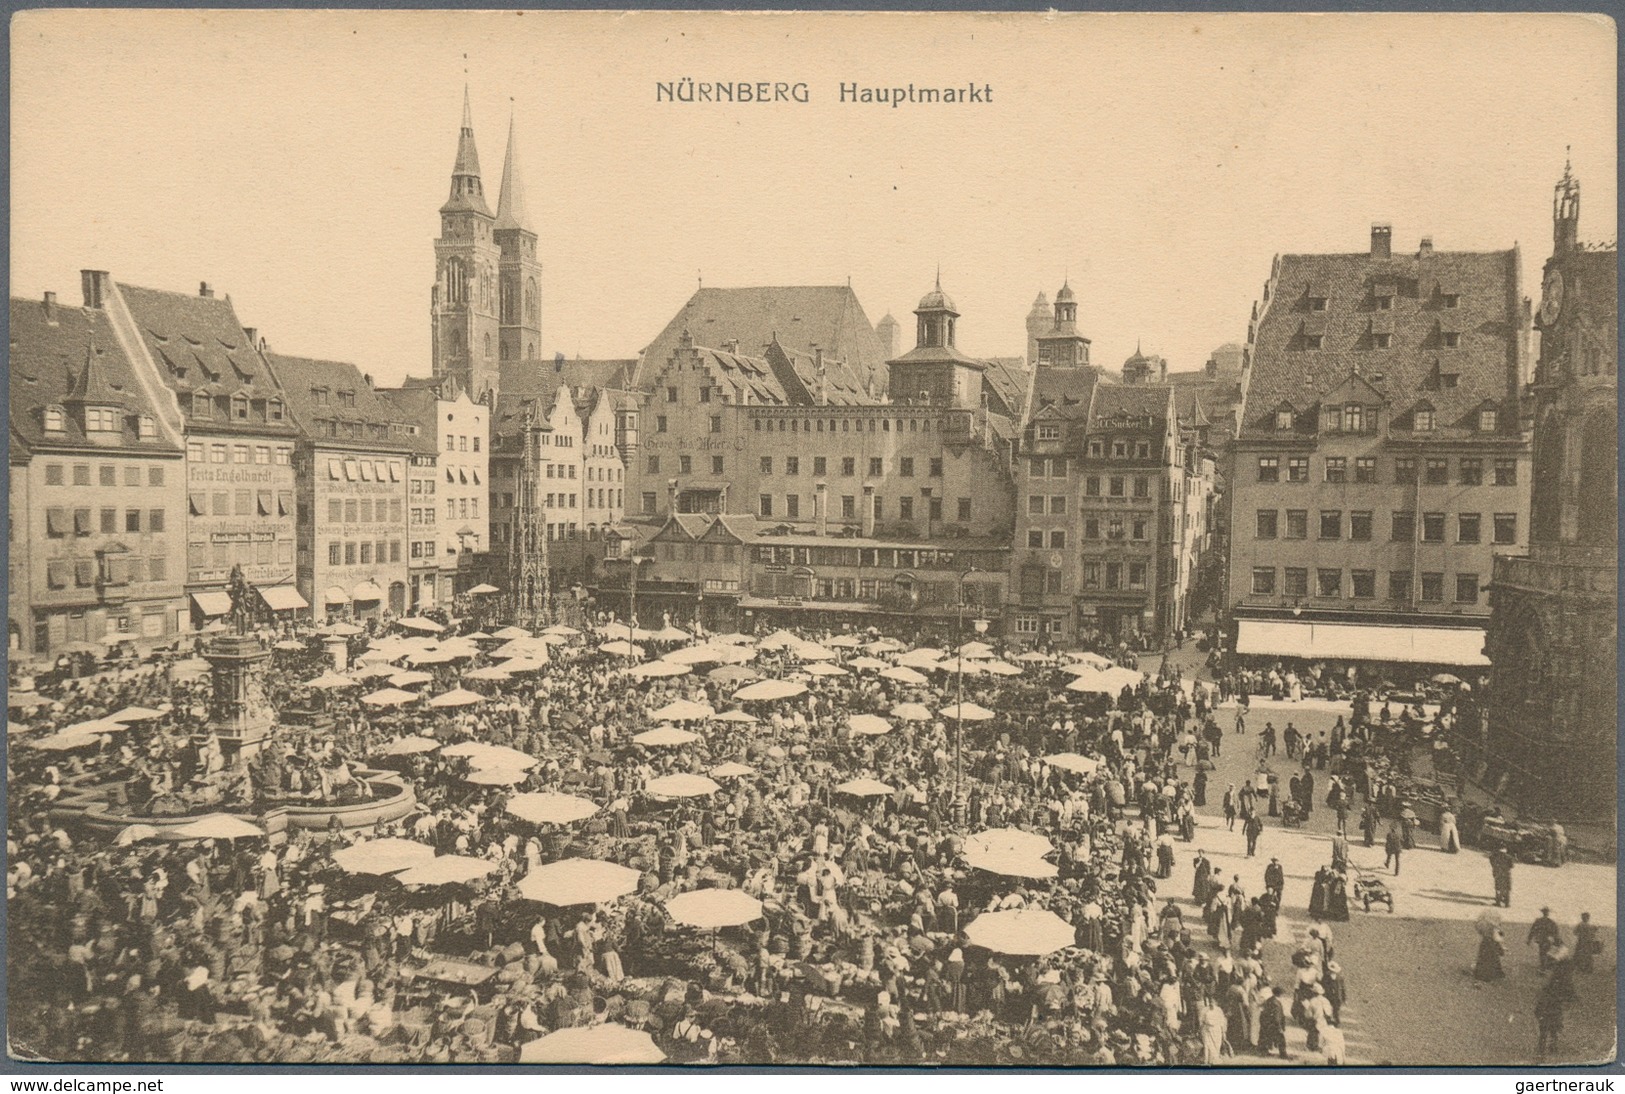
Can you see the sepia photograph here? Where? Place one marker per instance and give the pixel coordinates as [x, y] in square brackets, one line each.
[768, 539]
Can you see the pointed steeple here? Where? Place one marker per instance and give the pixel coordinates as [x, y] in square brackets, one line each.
[511, 204]
[467, 192]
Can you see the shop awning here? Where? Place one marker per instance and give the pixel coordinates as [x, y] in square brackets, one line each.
[367, 590]
[1362, 642]
[335, 595]
[212, 604]
[283, 598]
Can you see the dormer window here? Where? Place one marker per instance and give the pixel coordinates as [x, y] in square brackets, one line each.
[1422, 421]
[1317, 303]
[1487, 420]
[273, 409]
[1384, 302]
[1381, 340]
[102, 419]
[1049, 432]
[1450, 338]
[1450, 300]
[146, 428]
[1331, 419]
[201, 405]
[239, 408]
[56, 420]
[318, 395]
[346, 398]
[1354, 418]
[1311, 341]
[1283, 418]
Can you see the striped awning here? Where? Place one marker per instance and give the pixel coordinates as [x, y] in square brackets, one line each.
[212, 604]
[283, 598]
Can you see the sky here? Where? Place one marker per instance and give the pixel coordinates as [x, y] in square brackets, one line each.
[297, 160]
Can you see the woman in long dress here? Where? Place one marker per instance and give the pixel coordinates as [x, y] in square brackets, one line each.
[1213, 1029]
[1490, 950]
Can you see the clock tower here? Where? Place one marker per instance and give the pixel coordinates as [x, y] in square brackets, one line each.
[465, 327]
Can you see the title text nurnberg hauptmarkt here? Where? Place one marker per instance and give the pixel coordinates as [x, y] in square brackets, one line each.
[768, 91]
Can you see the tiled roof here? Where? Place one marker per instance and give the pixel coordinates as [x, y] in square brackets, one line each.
[1068, 390]
[1006, 380]
[371, 415]
[797, 372]
[414, 404]
[1416, 366]
[1132, 400]
[48, 353]
[540, 377]
[803, 317]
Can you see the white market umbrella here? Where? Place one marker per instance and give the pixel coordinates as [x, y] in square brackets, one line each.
[382, 856]
[911, 712]
[669, 633]
[1000, 668]
[573, 881]
[419, 624]
[665, 736]
[865, 788]
[1072, 761]
[497, 776]
[904, 675]
[372, 672]
[844, 642]
[481, 754]
[410, 678]
[738, 716]
[482, 589]
[732, 770]
[734, 639]
[457, 697]
[1106, 681]
[343, 630]
[867, 664]
[603, 1044]
[967, 712]
[656, 670]
[733, 674]
[330, 680]
[561, 630]
[764, 690]
[289, 645]
[438, 656]
[921, 659]
[975, 650]
[134, 714]
[868, 725]
[389, 697]
[683, 710]
[407, 746]
[812, 651]
[1086, 660]
[550, 808]
[1032, 657]
[710, 909]
[779, 640]
[511, 631]
[1009, 841]
[1021, 932]
[820, 668]
[884, 645]
[447, 870]
[620, 647]
[489, 674]
[216, 826]
[682, 786]
[515, 666]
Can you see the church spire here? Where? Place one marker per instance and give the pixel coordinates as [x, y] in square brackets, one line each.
[511, 204]
[467, 192]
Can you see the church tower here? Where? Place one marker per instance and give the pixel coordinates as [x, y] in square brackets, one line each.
[520, 275]
[465, 326]
[1038, 325]
[1063, 345]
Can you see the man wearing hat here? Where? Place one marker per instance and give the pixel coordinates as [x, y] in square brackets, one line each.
[1272, 1025]
[1545, 935]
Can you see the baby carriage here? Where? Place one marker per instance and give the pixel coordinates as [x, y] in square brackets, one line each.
[1370, 889]
[1292, 814]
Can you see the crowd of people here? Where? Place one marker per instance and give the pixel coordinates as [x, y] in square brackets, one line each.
[266, 948]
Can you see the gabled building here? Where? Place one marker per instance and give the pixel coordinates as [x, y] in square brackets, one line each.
[1553, 636]
[97, 484]
[1382, 461]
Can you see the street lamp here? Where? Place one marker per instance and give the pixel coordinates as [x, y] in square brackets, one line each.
[959, 723]
[634, 561]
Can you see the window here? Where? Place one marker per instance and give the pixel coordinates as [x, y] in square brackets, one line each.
[155, 520]
[1422, 421]
[653, 463]
[1263, 581]
[648, 501]
[1297, 469]
[1049, 432]
[1091, 486]
[1436, 472]
[1506, 528]
[1472, 471]
[53, 474]
[660, 423]
[132, 520]
[1381, 340]
[56, 420]
[877, 466]
[1468, 527]
[1432, 527]
[764, 505]
[1035, 538]
[1450, 338]
[1295, 581]
[1311, 341]
[1026, 624]
[849, 507]
[1091, 528]
[366, 553]
[716, 467]
[1383, 302]
[109, 521]
[1297, 524]
[107, 475]
[964, 509]
[685, 464]
[1269, 469]
[1057, 540]
[1266, 524]
[792, 506]
[1360, 525]
[1486, 420]
[1328, 582]
[936, 467]
[849, 466]
[1365, 469]
[1142, 486]
[1337, 469]
[1136, 575]
[1115, 486]
[1091, 575]
[1139, 529]
[1363, 584]
[1283, 418]
[671, 395]
[1506, 471]
[1057, 505]
[1466, 588]
[792, 465]
[1399, 585]
[879, 507]
[905, 467]
[1405, 469]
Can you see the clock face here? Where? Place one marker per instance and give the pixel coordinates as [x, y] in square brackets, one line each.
[1551, 303]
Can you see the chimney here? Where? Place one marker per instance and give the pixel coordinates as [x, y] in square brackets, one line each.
[1382, 240]
[95, 284]
[732, 346]
[868, 512]
[204, 289]
[822, 394]
[50, 308]
[1427, 245]
[821, 507]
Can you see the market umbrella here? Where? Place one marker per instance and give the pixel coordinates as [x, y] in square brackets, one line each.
[844, 642]
[289, 645]
[683, 710]
[482, 589]
[820, 668]
[1000, 668]
[562, 630]
[865, 788]
[812, 651]
[867, 664]
[967, 712]
[457, 697]
[216, 826]
[25, 700]
[419, 624]
[733, 674]
[975, 650]
[734, 639]
[518, 665]
[410, 678]
[603, 1044]
[1072, 761]
[1082, 660]
[407, 746]
[710, 909]
[666, 736]
[911, 712]
[1012, 852]
[1108, 681]
[769, 689]
[1021, 931]
[389, 697]
[433, 657]
[134, 714]
[868, 725]
[1011, 864]
[370, 672]
[343, 630]
[620, 647]
[658, 669]
[732, 770]
[737, 716]
[1032, 657]
[921, 659]
[695, 655]
[780, 639]
[550, 808]
[1445, 678]
[521, 647]
[884, 645]
[489, 674]
[497, 776]
[135, 833]
[482, 754]
[682, 786]
[904, 675]
[446, 870]
[511, 631]
[382, 856]
[574, 881]
[669, 633]
[331, 680]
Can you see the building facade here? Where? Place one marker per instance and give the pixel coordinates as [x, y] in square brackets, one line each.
[1553, 637]
[1382, 461]
[97, 486]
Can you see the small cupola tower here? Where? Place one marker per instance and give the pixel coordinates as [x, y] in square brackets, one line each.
[1062, 346]
[936, 319]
